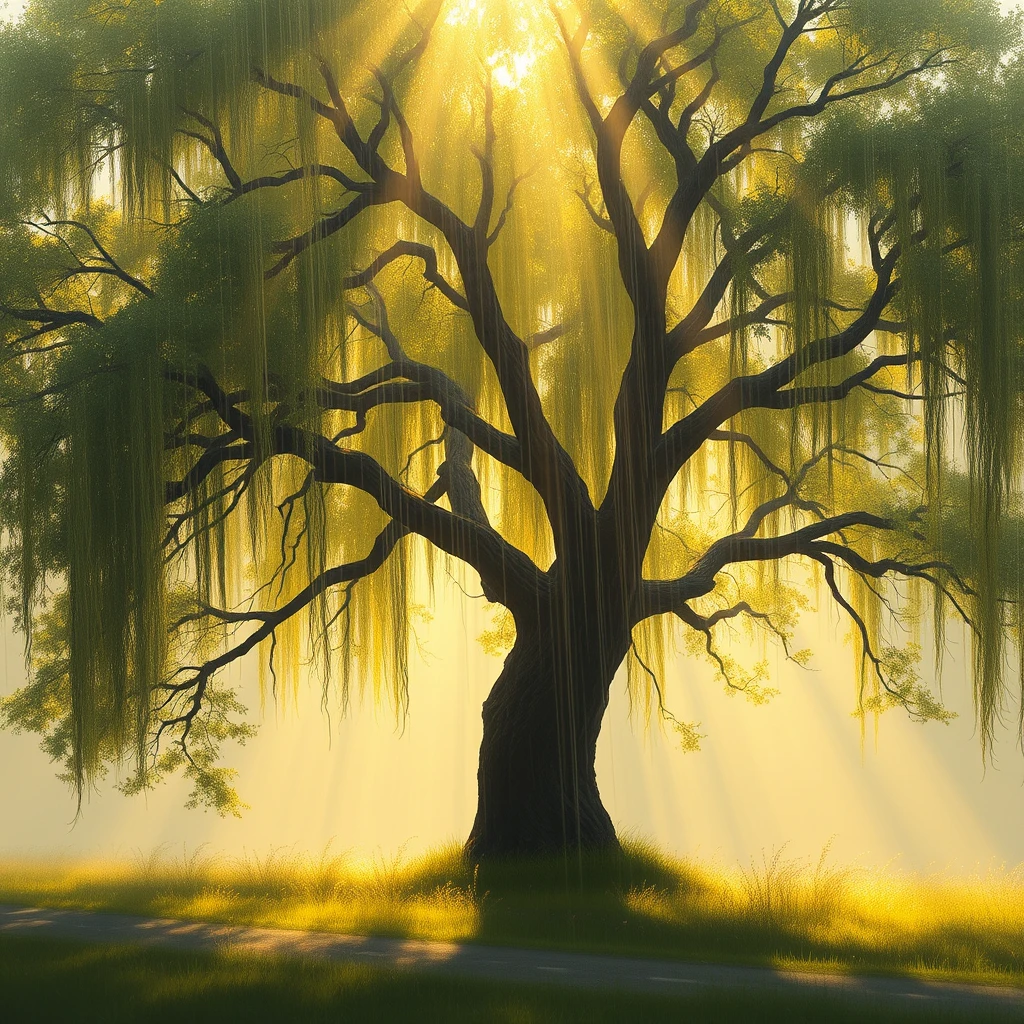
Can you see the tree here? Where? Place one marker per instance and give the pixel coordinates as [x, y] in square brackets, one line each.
[653, 318]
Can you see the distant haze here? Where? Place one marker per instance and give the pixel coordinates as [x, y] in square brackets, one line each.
[792, 772]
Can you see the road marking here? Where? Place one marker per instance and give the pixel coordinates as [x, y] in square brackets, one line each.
[677, 981]
[560, 970]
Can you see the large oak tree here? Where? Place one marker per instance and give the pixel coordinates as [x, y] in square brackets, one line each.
[656, 317]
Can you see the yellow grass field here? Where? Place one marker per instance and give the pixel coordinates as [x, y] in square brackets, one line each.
[776, 911]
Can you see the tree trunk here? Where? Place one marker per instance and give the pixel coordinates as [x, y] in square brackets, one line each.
[537, 785]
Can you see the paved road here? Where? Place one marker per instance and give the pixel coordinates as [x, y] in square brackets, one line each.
[497, 963]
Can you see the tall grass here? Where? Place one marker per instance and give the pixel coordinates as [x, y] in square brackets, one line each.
[777, 910]
[327, 891]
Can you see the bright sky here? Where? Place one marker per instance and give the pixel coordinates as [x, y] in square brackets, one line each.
[792, 772]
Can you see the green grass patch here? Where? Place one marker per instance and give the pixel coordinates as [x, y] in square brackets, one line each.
[57, 980]
[776, 912]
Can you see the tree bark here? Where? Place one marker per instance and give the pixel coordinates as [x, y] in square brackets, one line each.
[537, 784]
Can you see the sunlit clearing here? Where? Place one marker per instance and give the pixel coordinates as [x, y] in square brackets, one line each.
[430, 899]
[777, 910]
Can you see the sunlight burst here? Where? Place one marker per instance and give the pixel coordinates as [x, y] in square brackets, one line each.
[507, 38]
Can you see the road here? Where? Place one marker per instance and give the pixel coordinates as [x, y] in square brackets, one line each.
[497, 963]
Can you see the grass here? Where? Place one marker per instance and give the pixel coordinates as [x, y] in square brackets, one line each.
[777, 911]
[47, 980]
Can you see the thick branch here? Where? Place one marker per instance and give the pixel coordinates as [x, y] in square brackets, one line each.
[50, 319]
[298, 174]
[662, 596]
[760, 389]
[324, 228]
[508, 573]
[109, 265]
[215, 144]
[195, 687]
[422, 383]
[790, 398]
[414, 250]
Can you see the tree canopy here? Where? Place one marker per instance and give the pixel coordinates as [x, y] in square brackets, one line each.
[658, 317]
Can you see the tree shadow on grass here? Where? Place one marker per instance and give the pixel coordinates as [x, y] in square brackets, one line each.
[636, 902]
[779, 912]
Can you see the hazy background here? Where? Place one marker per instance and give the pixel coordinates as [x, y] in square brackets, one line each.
[793, 772]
